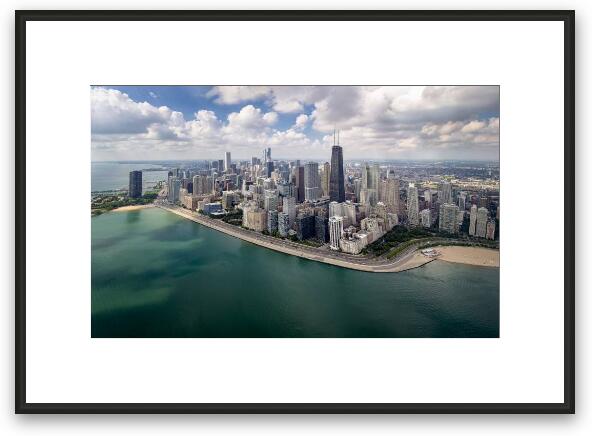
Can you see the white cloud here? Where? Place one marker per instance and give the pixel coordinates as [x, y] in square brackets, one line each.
[114, 112]
[301, 121]
[237, 94]
[377, 122]
[251, 117]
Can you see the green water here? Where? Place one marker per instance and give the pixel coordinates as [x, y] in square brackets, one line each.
[155, 274]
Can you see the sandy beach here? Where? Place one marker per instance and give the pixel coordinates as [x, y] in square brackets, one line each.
[478, 256]
[134, 207]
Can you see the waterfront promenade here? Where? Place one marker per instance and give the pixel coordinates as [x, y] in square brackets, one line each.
[406, 260]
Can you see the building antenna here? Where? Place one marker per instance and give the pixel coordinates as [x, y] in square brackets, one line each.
[333, 136]
[338, 137]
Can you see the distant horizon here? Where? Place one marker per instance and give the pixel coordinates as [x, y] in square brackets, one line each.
[378, 122]
[293, 159]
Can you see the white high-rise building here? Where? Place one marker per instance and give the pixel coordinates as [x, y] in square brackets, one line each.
[227, 161]
[473, 220]
[289, 208]
[482, 216]
[413, 205]
[349, 210]
[336, 209]
[283, 224]
[335, 231]
[270, 200]
[312, 181]
[490, 230]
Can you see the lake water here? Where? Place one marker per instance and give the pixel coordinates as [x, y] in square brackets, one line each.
[155, 274]
[106, 176]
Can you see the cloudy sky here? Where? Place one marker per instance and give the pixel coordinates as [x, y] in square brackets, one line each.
[202, 122]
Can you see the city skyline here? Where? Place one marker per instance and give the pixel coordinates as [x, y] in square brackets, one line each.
[375, 123]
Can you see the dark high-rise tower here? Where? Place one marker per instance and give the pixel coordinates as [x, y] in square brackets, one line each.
[269, 167]
[336, 180]
[299, 184]
[135, 184]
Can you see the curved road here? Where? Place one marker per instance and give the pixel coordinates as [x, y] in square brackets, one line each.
[401, 262]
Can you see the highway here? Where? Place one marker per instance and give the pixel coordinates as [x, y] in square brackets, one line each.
[404, 261]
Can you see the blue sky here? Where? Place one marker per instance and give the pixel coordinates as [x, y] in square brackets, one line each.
[190, 99]
[202, 122]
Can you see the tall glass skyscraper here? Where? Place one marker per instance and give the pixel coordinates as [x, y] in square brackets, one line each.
[135, 184]
[336, 181]
[312, 181]
[299, 184]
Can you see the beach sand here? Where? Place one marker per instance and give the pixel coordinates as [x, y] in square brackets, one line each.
[478, 256]
[130, 208]
[414, 261]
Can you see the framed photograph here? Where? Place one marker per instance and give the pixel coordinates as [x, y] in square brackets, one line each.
[294, 212]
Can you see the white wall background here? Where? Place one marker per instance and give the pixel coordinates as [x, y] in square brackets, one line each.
[261, 425]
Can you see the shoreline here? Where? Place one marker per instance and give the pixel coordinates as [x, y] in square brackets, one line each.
[476, 256]
[408, 260]
[132, 207]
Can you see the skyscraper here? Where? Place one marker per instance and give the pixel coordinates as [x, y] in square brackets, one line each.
[326, 175]
[482, 215]
[272, 221]
[426, 218]
[227, 161]
[349, 210]
[445, 195]
[312, 181]
[335, 231]
[337, 181]
[283, 224]
[174, 189]
[336, 209]
[365, 176]
[321, 228]
[269, 167]
[449, 218]
[299, 184]
[135, 184]
[413, 205]
[462, 199]
[374, 177]
[270, 201]
[201, 185]
[392, 194]
[289, 208]
[305, 226]
[473, 220]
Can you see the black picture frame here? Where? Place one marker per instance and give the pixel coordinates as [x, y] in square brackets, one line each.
[568, 19]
